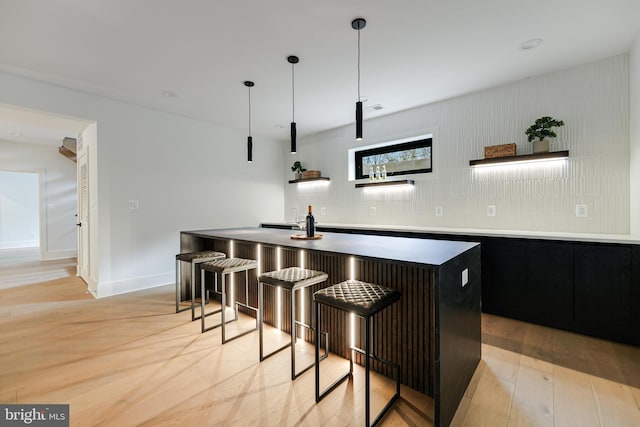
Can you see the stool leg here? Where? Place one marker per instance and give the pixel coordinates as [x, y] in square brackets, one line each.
[202, 290]
[260, 319]
[224, 305]
[367, 369]
[178, 285]
[293, 334]
[317, 351]
[193, 298]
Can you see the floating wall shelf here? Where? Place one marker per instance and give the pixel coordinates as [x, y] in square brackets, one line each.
[319, 178]
[552, 155]
[385, 183]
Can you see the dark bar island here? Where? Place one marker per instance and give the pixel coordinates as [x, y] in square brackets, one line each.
[433, 333]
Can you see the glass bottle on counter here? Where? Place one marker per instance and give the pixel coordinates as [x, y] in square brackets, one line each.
[377, 173]
[372, 176]
[310, 224]
[384, 173]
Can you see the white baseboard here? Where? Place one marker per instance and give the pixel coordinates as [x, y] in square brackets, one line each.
[20, 244]
[50, 255]
[116, 287]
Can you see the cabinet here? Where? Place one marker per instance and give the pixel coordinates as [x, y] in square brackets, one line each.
[549, 283]
[603, 294]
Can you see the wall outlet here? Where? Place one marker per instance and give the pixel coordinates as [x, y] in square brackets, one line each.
[372, 211]
[439, 211]
[133, 204]
[491, 210]
[582, 211]
[465, 277]
[323, 211]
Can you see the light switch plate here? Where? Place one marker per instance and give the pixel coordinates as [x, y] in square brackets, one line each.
[323, 211]
[439, 211]
[372, 211]
[133, 204]
[582, 211]
[465, 277]
[491, 210]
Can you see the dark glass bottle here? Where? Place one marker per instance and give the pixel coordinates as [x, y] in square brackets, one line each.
[310, 224]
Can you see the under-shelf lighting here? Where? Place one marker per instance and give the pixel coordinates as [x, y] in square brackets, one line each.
[522, 159]
[402, 185]
[316, 180]
[352, 316]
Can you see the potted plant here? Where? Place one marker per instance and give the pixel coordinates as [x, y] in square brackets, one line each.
[540, 130]
[297, 170]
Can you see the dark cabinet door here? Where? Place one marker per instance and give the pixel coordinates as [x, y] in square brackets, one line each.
[549, 290]
[603, 290]
[635, 293]
[503, 276]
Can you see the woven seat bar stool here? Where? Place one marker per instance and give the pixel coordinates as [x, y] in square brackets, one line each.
[193, 258]
[291, 279]
[364, 300]
[224, 268]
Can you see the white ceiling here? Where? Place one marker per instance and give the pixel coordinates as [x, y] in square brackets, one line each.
[414, 52]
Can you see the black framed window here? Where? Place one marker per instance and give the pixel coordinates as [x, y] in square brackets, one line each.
[399, 159]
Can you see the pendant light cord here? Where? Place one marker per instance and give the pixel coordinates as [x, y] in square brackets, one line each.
[249, 111]
[358, 64]
[293, 94]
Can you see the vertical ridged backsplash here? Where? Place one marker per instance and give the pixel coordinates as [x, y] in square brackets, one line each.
[593, 101]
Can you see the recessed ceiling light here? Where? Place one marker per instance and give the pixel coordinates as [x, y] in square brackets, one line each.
[530, 44]
[376, 107]
[169, 94]
[16, 134]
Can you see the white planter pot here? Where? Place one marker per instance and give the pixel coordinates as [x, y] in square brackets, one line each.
[541, 146]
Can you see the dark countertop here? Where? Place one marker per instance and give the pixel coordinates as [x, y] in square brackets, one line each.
[432, 253]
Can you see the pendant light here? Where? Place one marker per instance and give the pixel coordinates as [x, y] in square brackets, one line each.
[358, 24]
[293, 60]
[249, 85]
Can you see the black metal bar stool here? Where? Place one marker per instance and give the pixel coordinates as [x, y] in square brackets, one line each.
[193, 258]
[364, 300]
[291, 279]
[225, 267]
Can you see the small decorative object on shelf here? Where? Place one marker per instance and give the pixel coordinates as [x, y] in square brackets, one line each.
[383, 174]
[310, 174]
[297, 170]
[503, 150]
[540, 130]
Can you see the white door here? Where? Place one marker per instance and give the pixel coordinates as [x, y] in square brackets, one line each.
[83, 217]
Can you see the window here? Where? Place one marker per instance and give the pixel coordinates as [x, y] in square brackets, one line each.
[405, 158]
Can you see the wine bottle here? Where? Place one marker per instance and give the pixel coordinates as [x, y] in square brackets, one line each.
[310, 224]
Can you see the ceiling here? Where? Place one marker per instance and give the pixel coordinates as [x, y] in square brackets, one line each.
[199, 52]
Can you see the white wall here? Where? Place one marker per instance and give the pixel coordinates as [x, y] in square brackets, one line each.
[58, 189]
[19, 210]
[634, 158]
[185, 174]
[592, 99]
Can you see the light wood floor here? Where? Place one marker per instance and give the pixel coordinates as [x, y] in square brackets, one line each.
[130, 360]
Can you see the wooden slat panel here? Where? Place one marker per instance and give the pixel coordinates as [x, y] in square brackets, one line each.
[403, 331]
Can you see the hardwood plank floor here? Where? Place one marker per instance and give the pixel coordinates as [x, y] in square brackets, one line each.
[129, 360]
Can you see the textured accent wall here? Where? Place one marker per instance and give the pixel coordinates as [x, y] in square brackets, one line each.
[592, 99]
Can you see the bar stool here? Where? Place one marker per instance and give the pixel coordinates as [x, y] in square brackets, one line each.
[364, 300]
[291, 279]
[193, 258]
[225, 267]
